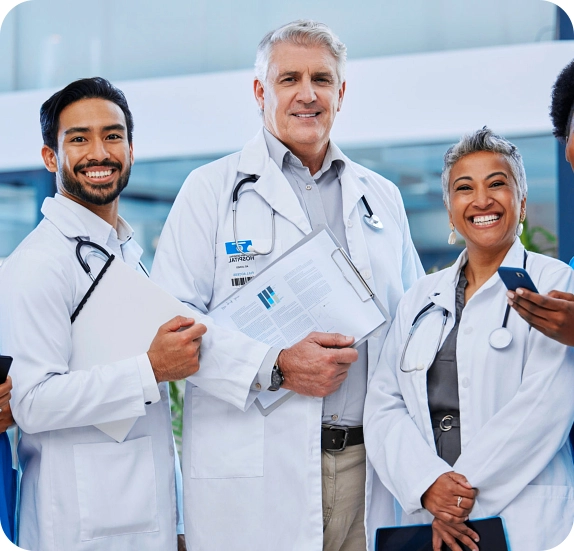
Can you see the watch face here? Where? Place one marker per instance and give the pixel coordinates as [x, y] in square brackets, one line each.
[276, 379]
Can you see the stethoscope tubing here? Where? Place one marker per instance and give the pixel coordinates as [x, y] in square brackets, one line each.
[371, 219]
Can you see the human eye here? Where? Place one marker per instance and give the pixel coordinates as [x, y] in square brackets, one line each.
[77, 139]
[114, 137]
[462, 187]
[497, 183]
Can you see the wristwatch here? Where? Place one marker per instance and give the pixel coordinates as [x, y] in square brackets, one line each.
[277, 378]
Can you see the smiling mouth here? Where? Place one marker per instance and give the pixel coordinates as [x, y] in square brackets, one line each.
[96, 174]
[485, 220]
[306, 115]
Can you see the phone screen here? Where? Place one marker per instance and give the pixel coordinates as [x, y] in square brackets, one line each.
[5, 363]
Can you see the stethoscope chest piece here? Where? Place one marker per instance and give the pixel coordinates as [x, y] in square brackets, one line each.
[500, 338]
[373, 221]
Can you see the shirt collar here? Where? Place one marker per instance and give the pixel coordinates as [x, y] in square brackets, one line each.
[74, 220]
[280, 154]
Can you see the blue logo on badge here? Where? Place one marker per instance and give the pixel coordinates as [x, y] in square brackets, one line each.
[230, 247]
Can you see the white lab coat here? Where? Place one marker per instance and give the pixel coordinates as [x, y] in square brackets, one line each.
[81, 490]
[253, 483]
[516, 408]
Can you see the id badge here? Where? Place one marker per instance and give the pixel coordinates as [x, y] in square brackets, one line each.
[242, 265]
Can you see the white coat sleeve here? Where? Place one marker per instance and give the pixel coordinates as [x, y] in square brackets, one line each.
[520, 440]
[36, 296]
[184, 265]
[403, 459]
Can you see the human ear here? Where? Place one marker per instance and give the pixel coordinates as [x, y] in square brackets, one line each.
[50, 158]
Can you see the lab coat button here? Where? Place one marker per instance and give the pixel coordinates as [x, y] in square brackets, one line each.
[163, 395]
[308, 187]
[366, 274]
[257, 386]
[466, 382]
[171, 451]
[468, 330]
[334, 417]
[349, 223]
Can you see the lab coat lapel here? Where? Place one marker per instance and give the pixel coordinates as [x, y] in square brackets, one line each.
[353, 189]
[272, 185]
[444, 293]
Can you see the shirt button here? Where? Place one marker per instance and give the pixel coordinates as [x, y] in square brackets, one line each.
[349, 223]
[308, 187]
[366, 274]
[334, 417]
[257, 386]
[163, 395]
[466, 382]
[468, 330]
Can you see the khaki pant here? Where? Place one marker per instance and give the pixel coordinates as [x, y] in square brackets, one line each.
[343, 475]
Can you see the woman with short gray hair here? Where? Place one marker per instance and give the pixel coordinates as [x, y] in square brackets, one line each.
[468, 411]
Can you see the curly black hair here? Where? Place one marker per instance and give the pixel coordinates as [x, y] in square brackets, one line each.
[562, 102]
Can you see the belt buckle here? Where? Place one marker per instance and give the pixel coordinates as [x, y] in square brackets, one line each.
[345, 437]
[443, 426]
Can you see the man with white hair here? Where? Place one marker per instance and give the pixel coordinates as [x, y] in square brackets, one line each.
[293, 479]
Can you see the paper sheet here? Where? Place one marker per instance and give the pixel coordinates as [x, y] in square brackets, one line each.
[312, 287]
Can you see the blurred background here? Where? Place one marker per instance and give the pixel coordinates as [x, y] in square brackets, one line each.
[420, 74]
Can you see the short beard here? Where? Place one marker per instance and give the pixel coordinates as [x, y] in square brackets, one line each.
[102, 195]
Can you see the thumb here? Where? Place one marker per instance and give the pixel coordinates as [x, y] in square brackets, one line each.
[561, 295]
[460, 479]
[175, 324]
[333, 340]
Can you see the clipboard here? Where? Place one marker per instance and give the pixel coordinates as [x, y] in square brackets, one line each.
[319, 251]
[128, 307]
[419, 537]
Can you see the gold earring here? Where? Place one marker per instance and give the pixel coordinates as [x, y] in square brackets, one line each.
[520, 227]
[452, 235]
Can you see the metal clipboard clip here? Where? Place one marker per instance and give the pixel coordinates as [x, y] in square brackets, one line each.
[351, 274]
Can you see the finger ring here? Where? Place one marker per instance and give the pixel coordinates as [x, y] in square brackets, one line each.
[458, 501]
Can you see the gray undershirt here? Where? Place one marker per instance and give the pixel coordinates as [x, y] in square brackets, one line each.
[321, 199]
[442, 385]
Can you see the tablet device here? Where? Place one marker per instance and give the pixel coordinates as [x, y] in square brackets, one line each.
[5, 363]
[419, 537]
[516, 277]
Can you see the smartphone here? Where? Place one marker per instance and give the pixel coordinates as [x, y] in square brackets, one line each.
[516, 277]
[5, 363]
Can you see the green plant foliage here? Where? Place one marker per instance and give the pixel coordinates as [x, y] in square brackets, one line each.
[539, 240]
[176, 402]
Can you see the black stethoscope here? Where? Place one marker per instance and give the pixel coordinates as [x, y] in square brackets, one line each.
[97, 250]
[499, 338]
[371, 219]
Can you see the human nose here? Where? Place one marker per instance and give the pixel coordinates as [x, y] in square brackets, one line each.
[98, 150]
[483, 198]
[306, 92]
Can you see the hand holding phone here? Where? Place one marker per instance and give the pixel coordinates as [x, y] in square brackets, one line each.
[5, 363]
[514, 278]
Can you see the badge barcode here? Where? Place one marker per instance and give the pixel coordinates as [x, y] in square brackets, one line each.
[238, 281]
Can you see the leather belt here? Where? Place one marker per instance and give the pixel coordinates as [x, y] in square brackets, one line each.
[446, 422]
[336, 439]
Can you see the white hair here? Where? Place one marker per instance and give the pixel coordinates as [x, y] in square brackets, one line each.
[302, 32]
[484, 140]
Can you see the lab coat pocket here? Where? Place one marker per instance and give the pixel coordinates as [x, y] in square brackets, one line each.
[225, 442]
[116, 488]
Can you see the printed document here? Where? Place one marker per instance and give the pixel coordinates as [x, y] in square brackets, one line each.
[312, 287]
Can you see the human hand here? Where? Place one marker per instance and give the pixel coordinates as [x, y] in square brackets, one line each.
[6, 419]
[442, 498]
[449, 534]
[181, 543]
[174, 351]
[318, 364]
[551, 314]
